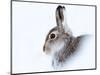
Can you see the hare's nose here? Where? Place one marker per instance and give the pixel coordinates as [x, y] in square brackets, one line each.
[44, 48]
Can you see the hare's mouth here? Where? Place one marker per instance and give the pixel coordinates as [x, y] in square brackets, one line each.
[46, 50]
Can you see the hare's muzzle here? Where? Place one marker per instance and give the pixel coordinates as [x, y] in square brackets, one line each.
[44, 48]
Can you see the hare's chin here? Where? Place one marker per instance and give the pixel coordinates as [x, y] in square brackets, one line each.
[47, 52]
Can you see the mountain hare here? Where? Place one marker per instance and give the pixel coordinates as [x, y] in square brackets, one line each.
[60, 42]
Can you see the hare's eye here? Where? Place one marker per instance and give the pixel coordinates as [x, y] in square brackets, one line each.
[52, 36]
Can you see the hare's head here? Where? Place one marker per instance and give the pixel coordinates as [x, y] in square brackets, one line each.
[58, 37]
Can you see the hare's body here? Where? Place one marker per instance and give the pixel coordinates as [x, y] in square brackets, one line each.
[66, 51]
[60, 42]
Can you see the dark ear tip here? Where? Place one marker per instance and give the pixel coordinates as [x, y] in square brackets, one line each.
[60, 7]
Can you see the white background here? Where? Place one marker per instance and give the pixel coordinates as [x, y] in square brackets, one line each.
[32, 22]
[5, 31]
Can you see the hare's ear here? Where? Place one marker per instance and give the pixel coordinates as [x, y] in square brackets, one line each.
[61, 19]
